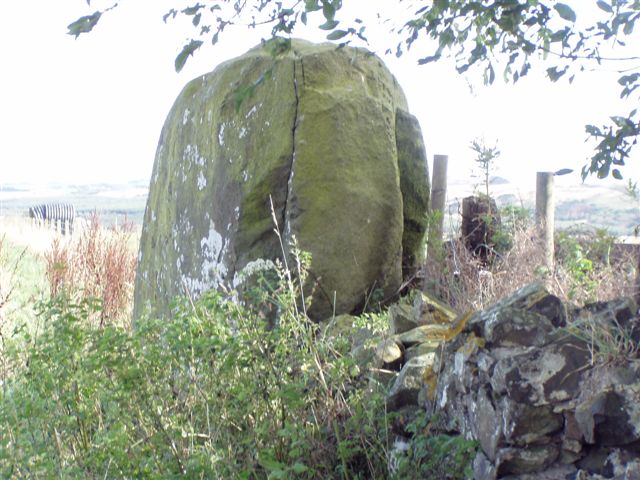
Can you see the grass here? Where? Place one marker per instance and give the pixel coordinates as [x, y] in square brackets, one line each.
[22, 283]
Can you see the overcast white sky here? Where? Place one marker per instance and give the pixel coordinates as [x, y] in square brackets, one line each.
[91, 110]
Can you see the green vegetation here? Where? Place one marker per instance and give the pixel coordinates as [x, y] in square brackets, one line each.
[221, 390]
[214, 392]
[433, 455]
[22, 283]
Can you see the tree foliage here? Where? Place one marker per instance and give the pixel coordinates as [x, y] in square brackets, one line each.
[505, 37]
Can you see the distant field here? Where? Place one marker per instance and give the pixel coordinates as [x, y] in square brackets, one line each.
[23, 266]
[113, 203]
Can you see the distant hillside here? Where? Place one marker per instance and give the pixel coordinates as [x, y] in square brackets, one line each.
[596, 205]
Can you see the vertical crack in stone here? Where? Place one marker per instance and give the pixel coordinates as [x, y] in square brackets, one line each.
[286, 226]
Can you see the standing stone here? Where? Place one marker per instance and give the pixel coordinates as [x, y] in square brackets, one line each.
[325, 133]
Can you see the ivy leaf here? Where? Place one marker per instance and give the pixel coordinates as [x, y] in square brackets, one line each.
[565, 12]
[337, 34]
[186, 52]
[604, 6]
[84, 24]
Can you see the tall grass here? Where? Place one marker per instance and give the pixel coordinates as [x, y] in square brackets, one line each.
[582, 272]
[97, 263]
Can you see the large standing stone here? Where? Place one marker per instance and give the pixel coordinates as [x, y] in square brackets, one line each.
[326, 134]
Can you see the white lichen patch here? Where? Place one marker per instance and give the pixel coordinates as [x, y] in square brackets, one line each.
[253, 110]
[153, 216]
[251, 268]
[209, 116]
[202, 181]
[213, 271]
[221, 135]
[185, 116]
[243, 132]
[191, 155]
[245, 175]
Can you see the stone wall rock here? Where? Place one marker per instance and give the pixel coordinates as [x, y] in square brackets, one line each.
[535, 385]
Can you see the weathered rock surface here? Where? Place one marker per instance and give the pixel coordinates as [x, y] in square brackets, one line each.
[322, 131]
[480, 221]
[542, 391]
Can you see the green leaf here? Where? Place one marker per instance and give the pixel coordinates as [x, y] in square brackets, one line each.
[171, 13]
[328, 10]
[429, 59]
[299, 468]
[329, 25]
[192, 10]
[603, 171]
[563, 171]
[628, 27]
[565, 12]
[84, 24]
[186, 52]
[554, 74]
[604, 6]
[303, 18]
[311, 5]
[337, 34]
[616, 174]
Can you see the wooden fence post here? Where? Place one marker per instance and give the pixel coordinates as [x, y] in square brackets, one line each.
[545, 215]
[438, 200]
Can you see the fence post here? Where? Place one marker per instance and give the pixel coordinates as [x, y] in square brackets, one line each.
[438, 199]
[545, 215]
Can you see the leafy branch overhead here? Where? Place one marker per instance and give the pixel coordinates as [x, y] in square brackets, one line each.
[505, 37]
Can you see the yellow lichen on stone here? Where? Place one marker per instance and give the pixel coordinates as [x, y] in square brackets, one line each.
[433, 311]
[430, 380]
[472, 345]
[458, 326]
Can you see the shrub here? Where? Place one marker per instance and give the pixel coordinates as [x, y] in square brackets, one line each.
[435, 456]
[213, 392]
[585, 270]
